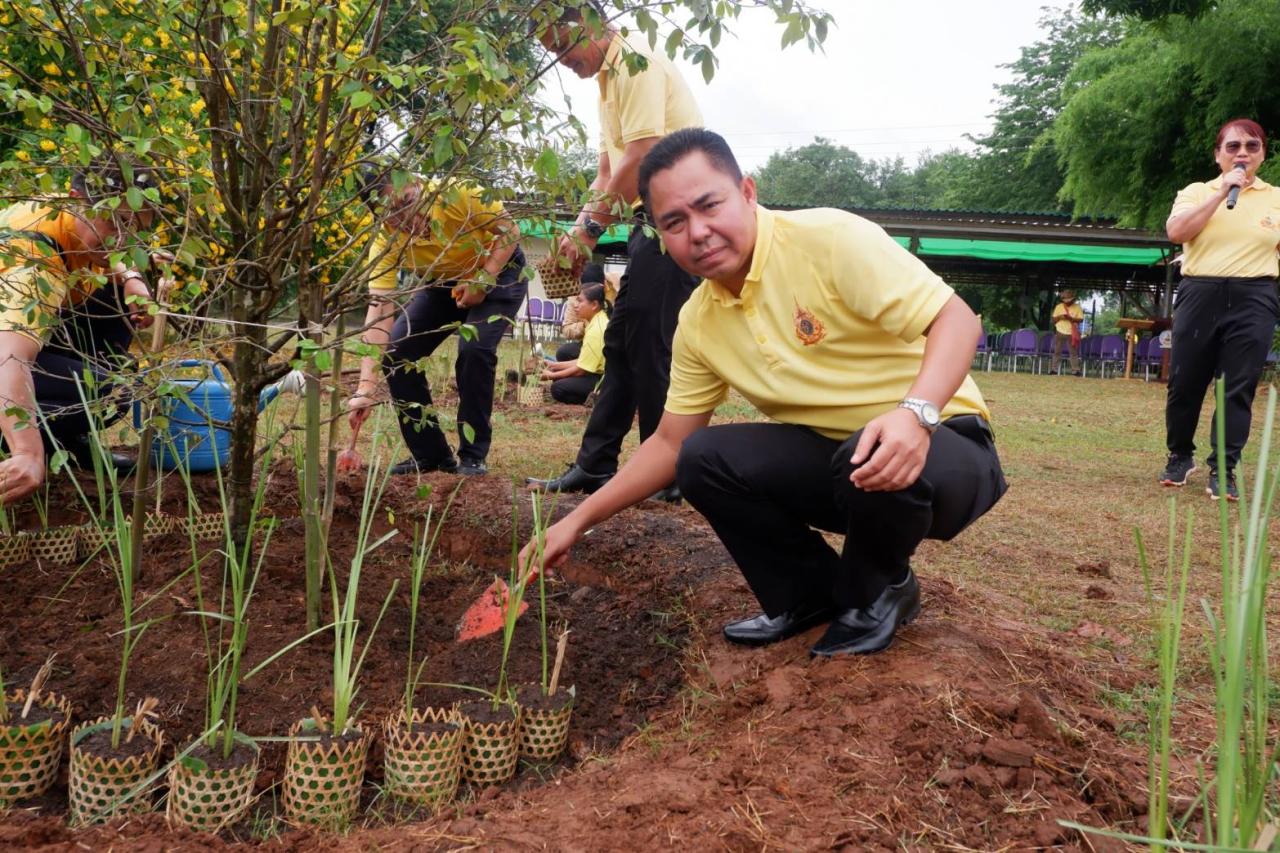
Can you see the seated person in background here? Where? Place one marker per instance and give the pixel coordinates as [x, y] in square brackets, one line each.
[579, 366]
[63, 317]
[573, 326]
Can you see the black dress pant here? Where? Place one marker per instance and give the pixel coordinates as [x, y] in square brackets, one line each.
[574, 390]
[637, 351]
[765, 488]
[1222, 327]
[426, 322]
[90, 344]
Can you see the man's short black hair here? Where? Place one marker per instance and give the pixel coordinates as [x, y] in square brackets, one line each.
[592, 274]
[676, 146]
[374, 180]
[570, 14]
[111, 174]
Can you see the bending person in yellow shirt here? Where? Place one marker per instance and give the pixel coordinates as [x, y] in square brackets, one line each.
[63, 314]
[579, 365]
[467, 252]
[858, 354]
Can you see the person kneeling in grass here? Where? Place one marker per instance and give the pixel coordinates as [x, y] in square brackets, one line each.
[579, 364]
[858, 354]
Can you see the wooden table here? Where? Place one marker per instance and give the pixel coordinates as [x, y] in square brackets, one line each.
[1132, 326]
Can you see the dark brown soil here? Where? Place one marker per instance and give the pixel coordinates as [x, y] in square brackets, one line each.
[324, 740]
[38, 714]
[972, 732]
[99, 743]
[433, 728]
[241, 755]
[482, 712]
[531, 696]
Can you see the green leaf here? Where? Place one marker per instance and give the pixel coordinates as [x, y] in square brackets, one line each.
[361, 99]
[133, 196]
[468, 432]
[195, 765]
[547, 165]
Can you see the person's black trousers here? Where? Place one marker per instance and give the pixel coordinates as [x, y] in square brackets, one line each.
[1221, 327]
[424, 324]
[637, 351]
[90, 344]
[765, 487]
[574, 390]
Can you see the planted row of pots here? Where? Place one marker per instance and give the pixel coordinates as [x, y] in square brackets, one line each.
[66, 544]
[427, 754]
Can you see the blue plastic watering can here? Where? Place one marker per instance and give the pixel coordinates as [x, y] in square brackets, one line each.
[198, 436]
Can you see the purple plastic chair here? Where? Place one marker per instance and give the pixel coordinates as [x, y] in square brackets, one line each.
[1022, 344]
[983, 353]
[1111, 351]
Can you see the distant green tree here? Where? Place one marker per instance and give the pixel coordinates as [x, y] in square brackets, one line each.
[1141, 116]
[1017, 164]
[1150, 10]
[823, 174]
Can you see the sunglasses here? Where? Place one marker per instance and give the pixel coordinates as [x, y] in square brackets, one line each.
[1253, 146]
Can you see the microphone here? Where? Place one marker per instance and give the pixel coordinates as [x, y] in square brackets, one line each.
[1234, 194]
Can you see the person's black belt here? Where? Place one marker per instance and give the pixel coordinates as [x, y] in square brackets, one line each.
[975, 427]
[1231, 279]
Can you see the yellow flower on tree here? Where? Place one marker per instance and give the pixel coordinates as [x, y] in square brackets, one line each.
[48, 145]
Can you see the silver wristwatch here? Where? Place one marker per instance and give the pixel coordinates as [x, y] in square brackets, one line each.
[926, 413]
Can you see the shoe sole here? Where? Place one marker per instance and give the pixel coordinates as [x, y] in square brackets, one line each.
[1214, 497]
[1165, 481]
[906, 620]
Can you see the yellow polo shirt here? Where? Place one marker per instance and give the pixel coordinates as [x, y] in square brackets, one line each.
[464, 226]
[826, 334]
[1238, 243]
[1061, 325]
[591, 358]
[653, 102]
[35, 281]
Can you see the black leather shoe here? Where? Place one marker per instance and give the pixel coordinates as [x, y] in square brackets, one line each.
[671, 494]
[473, 468]
[572, 480]
[448, 465]
[81, 453]
[762, 630]
[867, 630]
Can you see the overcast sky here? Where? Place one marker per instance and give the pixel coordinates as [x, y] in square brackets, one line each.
[896, 78]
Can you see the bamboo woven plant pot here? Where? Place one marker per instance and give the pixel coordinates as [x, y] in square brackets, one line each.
[30, 753]
[544, 722]
[14, 549]
[424, 766]
[208, 798]
[56, 545]
[101, 785]
[557, 282]
[491, 747]
[322, 778]
[154, 525]
[532, 394]
[205, 525]
[92, 540]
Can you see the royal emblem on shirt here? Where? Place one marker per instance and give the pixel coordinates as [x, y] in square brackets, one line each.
[1270, 223]
[809, 329]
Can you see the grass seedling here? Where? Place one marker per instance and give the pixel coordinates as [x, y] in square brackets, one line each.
[346, 626]
[424, 545]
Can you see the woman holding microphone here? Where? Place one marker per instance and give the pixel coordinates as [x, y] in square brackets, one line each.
[1226, 305]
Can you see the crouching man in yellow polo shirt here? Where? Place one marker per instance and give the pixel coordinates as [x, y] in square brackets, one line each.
[858, 354]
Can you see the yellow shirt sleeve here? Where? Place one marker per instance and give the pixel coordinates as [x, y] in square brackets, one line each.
[694, 388]
[641, 102]
[382, 277]
[591, 358]
[1189, 198]
[884, 283]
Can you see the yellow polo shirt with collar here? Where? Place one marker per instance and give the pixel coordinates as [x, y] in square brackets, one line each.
[1061, 324]
[649, 103]
[591, 357]
[35, 281]
[828, 331]
[1234, 243]
[464, 226]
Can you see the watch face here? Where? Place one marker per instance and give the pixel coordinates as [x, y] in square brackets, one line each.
[930, 414]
